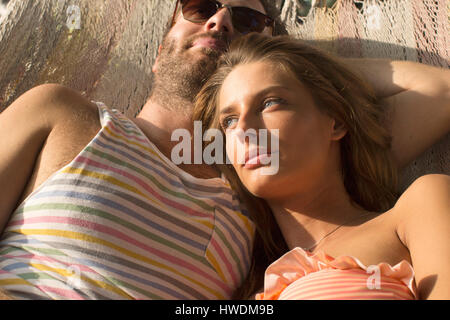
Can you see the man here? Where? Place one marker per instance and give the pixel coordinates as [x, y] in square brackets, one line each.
[95, 209]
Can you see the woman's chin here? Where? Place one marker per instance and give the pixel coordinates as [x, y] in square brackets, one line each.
[268, 187]
[260, 186]
[260, 193]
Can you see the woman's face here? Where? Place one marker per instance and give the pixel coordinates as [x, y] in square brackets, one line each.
[261, 96]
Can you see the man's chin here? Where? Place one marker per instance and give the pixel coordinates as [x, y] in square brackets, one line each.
[212, 53]
[186, 71]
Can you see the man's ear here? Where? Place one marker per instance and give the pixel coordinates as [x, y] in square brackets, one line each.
[339, 130]
[155, 65]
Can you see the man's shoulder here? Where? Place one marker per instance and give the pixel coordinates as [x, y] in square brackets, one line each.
[72, 119]
[58, 102]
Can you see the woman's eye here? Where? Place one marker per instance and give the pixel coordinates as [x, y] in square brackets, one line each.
[228, 122]
[272, 102]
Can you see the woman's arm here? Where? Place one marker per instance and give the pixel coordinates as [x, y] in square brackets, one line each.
[417, 97]
[424, 228]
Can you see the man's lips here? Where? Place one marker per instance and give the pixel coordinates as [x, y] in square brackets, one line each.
[209, 43]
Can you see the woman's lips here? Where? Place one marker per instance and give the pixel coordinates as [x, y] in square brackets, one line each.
[260, 159]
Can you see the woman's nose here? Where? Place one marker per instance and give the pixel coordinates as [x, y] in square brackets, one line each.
[221, 22]
[248, 121]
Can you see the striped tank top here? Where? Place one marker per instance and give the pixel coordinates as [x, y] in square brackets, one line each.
[302, 275]
[121, 221]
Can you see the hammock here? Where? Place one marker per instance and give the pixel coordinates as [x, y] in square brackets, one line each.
[105, 49]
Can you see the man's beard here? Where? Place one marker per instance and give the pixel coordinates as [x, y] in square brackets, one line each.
[181, 73]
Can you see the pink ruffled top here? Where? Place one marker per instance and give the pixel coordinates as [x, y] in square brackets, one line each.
[302, 275]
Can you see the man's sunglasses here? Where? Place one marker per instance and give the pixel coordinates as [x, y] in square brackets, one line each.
[245, 20]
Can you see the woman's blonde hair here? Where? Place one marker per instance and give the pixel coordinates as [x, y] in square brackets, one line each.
[368, 172]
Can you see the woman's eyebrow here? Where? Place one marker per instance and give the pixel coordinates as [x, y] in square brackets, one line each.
[272, 88]
[230, 108]
[226, 110]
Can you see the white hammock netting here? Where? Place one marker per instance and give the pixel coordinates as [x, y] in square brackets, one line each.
[396, 29]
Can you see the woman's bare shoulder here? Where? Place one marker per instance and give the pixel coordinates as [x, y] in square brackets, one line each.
[427, 198]
[425, 190]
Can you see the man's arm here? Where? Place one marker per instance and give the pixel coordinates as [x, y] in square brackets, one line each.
[4, 296]
[24, 127]
[417, 98]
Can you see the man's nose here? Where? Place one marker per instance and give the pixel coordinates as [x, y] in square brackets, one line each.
[221, 22]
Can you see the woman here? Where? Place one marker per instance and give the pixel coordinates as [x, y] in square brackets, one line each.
[334, 196]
